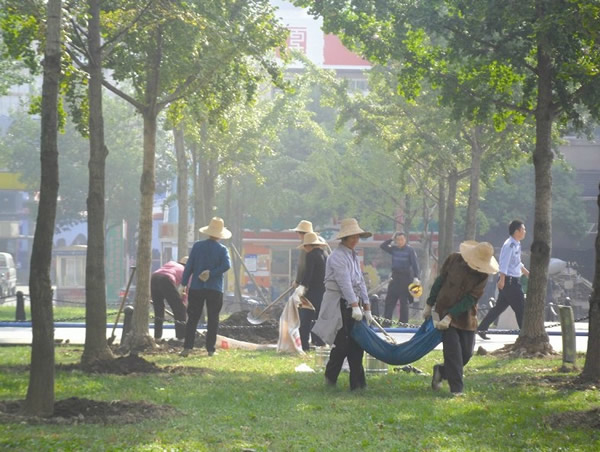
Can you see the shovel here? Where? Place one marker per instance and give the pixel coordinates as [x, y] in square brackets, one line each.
[255, 316]
[112, 337]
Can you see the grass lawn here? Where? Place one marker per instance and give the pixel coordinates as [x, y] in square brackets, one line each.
[257, 401]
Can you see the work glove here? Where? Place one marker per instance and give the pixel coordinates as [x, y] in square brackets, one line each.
[368, 317]
[427, 311]
[416, 281]
[204, 275]
[357, 313]
[298, 293]
[444, 323]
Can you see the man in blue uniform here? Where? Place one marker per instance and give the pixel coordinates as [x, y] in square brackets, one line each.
[405, 270]
[509, 283]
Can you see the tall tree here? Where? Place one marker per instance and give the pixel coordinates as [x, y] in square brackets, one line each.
[591, 368]
[492, 58]
[176, 50]
[40, 392]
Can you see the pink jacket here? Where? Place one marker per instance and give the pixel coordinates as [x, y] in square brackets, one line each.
[172, 269]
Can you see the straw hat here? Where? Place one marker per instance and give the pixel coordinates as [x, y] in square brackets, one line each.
[311, 238]
[183, 260]
[216, 228]
[304, 226]
[479, 256]
[349, 226]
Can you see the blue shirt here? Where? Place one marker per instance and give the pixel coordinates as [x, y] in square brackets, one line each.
[510, 258]
[209, 255]
[404, 260]
[343, 269]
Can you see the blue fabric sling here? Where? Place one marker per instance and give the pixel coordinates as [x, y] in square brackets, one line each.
[425, 339]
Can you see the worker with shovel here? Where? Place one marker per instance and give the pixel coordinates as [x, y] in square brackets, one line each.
[207, 263]
[163, 286]
[345, 288]
[312, 287]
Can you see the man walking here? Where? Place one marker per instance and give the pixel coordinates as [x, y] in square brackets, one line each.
[405, 270]
[509, 283]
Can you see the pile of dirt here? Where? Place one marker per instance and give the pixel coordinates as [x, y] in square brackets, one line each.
[85, 411]
[123, 365]
[236, 326]
[576, 419]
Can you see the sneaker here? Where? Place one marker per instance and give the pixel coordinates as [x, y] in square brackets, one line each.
[185, 352]
[436, 381]
[483, 335]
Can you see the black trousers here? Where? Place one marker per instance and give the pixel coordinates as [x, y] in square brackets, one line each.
[458, 350]
[161, 289]
[307, 320]
[196, 300]
[510, 295]
[398, 290]
[346, 347]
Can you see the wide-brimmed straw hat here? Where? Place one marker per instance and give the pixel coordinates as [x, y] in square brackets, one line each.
[304, 226]
[216, 228]
[479, 256]
[311, 238]
[183, 260]
[349, 226]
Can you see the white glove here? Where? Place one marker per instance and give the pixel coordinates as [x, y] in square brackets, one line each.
[416, 281]
[204, 275]
[368, 317]
[357, 313]
[444, 323]
[298, 293]
[427, 312]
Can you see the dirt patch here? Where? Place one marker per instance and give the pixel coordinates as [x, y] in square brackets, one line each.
[576, 419]
[75, 411]
[236, 326]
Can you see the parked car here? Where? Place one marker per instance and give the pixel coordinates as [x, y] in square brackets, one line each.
[8, 275]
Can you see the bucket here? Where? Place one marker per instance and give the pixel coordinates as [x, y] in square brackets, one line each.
[374, 366]
[321, 357]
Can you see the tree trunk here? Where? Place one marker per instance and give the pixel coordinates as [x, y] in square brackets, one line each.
[182, 193]
[96, 345]
[533, 337]
[591, 369]
[450, 215]
[475, 173]
[209, 180]
[139, 338]
[40, 392]
[197, 190]
[441, 221]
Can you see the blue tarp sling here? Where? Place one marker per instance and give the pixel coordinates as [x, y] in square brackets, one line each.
[424, 340]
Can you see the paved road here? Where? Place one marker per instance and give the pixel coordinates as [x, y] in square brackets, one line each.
[76, 335]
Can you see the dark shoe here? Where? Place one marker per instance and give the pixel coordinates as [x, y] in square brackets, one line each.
[329, 382]
[483, 336]
[213, 353]
[185, 352]
[436, 381]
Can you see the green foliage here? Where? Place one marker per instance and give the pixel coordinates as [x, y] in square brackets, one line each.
[514, 197]
[255, 400]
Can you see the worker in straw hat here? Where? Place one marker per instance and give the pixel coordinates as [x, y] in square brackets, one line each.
[312, 287]
[163, 286]
[454, 295]
[206, 265]
[304, 227]
[345, 290]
